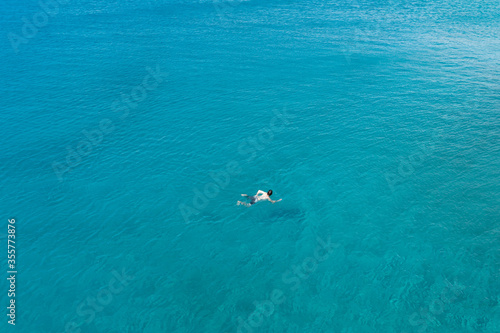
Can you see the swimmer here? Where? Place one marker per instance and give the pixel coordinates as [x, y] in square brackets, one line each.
[260, 196]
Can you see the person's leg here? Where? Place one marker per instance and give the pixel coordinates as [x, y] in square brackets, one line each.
[251, 198]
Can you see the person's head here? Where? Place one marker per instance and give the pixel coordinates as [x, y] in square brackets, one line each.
[270, 192]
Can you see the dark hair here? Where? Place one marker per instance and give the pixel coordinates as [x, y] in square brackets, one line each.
[270, 192]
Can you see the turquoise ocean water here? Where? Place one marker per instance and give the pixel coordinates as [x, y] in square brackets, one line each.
[130, 129]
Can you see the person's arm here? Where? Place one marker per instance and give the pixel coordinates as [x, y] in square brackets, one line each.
[260, 192]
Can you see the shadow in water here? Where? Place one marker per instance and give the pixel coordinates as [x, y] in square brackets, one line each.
[292, 219]
[287, 213]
